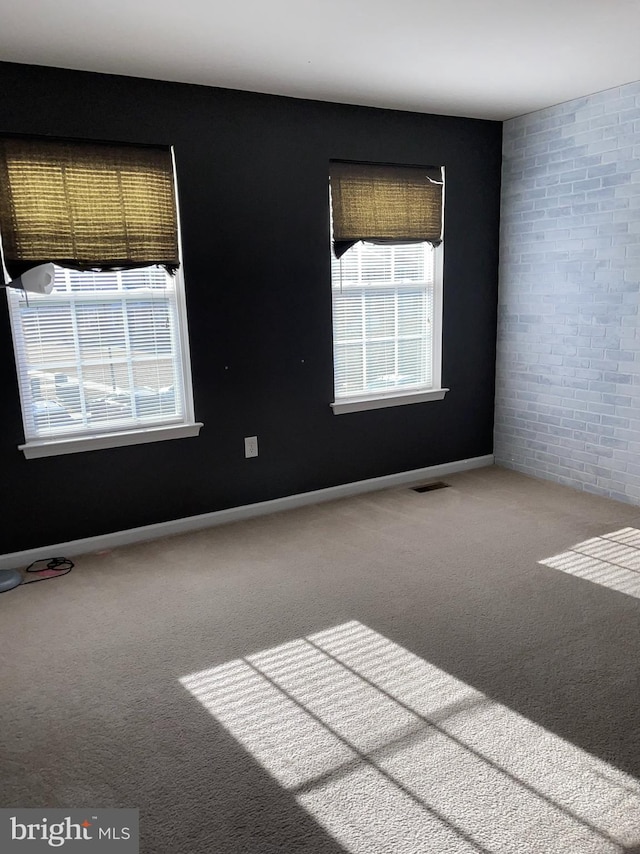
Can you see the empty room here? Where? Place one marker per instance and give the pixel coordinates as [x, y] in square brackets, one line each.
[320, 374]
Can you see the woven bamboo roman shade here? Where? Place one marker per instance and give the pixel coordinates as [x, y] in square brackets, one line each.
[385, 204]
[86, 205]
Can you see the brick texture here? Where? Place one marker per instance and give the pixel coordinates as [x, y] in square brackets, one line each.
[568, 364]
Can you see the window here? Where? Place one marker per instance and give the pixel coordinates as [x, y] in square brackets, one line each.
[385, 308]
[103, 359]
[387, 294]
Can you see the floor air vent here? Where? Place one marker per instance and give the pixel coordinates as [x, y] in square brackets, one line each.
[429, 487]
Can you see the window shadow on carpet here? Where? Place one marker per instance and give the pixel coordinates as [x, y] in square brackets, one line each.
[612, 560]
[389, 753]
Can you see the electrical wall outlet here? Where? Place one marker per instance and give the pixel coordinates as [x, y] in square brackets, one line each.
[251, 446]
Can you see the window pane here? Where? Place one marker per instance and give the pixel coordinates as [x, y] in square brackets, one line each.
[410, 264]
[347, 316]
[375, 263]
[381, 365]
[412, 312]
[349, 368]
[77, 281]
[380, 313]
[47, 332]
[412, 364]
[100, 328]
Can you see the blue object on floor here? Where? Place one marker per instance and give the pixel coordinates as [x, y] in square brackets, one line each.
[9, 578]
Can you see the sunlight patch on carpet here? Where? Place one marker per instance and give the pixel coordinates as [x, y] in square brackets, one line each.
[391, 754]
[612, 560]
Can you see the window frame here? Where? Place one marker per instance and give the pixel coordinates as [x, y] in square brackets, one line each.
[187, 427]
[395, 397]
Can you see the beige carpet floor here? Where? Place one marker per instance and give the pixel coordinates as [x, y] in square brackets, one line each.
[396, 673]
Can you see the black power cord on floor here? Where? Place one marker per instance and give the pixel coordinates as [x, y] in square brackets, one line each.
[54, 567]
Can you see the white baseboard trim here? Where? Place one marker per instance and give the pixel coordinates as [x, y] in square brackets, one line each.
[235, 514]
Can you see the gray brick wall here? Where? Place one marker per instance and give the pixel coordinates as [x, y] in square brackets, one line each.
[568, 365]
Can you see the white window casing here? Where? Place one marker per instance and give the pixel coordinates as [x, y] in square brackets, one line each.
[103, 361]
[387, 325]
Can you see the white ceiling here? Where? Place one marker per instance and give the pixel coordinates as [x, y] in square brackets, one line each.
[491, 59]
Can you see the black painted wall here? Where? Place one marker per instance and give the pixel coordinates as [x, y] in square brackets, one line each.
[252, 177]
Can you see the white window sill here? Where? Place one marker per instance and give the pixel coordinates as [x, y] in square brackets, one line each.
[359, 404]
[75, 444]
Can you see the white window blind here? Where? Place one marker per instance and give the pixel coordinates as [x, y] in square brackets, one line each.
[383, 319]
[103, 353]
